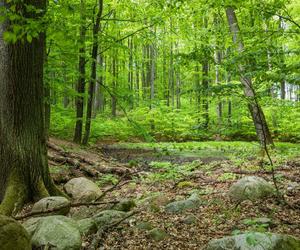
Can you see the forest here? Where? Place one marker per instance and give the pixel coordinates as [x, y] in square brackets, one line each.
[150, 124]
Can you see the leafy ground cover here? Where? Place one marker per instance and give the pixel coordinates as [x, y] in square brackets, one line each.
[175, 171]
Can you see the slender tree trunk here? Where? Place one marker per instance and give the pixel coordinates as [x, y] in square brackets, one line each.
[171, 77]
[257, 114]
[178, 88]
[205, 81]
[114, 87]
[96, 30]
[23, 154]
[80, 88]
[152, 74]
[98, 100]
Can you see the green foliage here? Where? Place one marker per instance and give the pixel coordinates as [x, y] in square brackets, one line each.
[107, 179]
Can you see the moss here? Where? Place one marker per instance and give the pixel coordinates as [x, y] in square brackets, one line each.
[13, 235]
[16, 194]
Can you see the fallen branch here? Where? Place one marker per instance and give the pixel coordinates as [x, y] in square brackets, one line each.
[49, 211]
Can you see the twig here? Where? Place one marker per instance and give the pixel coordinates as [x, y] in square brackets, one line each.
[100, 233]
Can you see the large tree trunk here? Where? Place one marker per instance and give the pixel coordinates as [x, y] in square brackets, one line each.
[81, 79]
[258, 117]
[24, 173]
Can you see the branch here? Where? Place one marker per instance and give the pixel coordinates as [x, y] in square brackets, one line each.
[49, 211]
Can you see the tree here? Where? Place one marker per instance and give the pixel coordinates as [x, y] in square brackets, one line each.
[95, 46]
[258, 117]
[23, 154]
[81, 78]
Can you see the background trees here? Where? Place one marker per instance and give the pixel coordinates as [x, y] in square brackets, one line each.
[169, 69]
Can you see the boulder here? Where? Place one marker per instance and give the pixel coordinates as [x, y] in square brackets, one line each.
[83, 190]
[60, 205]
[190, 219]
[251, 188]
[158, 234]
[13, 235]
[144, 225]
[255, 241]
[58, 232]
[87, 226]
[107, 217]
[125, 205]
[154, 202]
[182, 205]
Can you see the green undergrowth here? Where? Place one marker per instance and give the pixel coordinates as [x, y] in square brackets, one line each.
[163, 123]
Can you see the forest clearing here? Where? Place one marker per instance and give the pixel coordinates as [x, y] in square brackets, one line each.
[149, 124]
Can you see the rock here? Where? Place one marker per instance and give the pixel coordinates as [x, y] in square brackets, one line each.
[12, 235]
[83, 190]
[154, 202]
[57, 231]
[87, 226]
[125, 205]
[158, 234]
[107, 217]
[182, 205]
[61, 205]
[251, 188]
[144, 225]
[255, 241]
[293, 187]
[190, 219]
[31, 224]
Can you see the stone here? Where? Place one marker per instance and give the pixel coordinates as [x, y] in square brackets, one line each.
[61, 205]
[144, 225]
[12, 235]
[182, 205]
[158, 234]
[154, 202]
[251, 188]
[87, 226]
[125, 205]
[58, 232]
[31, 224]
[255, 241]
[190, 219]
[107, 217]
[82, 189]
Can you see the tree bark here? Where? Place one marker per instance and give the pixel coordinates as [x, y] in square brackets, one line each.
[89, 110]
[23, 154]
[258, 117]
[81, 79]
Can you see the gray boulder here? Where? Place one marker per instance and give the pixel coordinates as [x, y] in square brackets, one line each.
[182, 205]
[82, 189]
[251, 188]
[255, 241]
[61, 205]
[13, 235]
[107, 217]
[58, 232]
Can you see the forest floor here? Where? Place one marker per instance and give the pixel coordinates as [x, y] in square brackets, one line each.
[173, 171]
